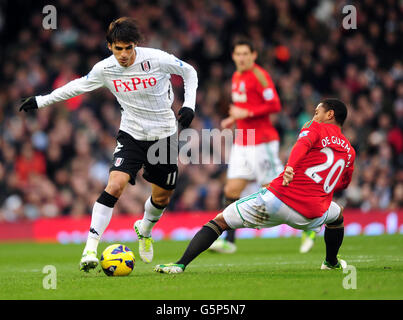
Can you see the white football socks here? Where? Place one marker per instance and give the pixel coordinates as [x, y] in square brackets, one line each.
[101, 216]
[151, 216]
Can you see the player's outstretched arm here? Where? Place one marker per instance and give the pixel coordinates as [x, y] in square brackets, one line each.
[92, 81]
[28, 104]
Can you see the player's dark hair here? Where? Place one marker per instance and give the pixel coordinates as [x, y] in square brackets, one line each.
[238, 41]
[124, 29]
[339, 108]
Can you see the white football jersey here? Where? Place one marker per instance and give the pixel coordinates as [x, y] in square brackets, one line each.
[143, 91]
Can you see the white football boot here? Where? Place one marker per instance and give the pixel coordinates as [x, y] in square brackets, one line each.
[146, 251]
[307, 241]
[223, 246]
[169, 268]
[88, 261]
[341, 264]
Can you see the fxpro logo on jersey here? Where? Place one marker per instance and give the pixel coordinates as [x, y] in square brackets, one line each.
[134, 84]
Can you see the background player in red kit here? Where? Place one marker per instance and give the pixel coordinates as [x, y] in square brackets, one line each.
[254, 154]
[321, 162]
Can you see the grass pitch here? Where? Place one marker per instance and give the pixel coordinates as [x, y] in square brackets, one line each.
[261, 269]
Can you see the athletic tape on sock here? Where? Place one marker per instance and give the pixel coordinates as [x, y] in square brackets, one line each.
[107, 199]
[213, 225]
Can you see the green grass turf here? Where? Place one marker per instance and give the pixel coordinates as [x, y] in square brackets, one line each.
[261, 269]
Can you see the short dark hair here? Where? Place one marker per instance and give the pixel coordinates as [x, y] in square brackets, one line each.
[339, 108]
[124, 29]
[242, 40]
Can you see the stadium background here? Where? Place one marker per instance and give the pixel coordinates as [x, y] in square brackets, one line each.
[54, 163]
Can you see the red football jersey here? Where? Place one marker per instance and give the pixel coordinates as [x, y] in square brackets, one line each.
[323, 162]
[254, 90]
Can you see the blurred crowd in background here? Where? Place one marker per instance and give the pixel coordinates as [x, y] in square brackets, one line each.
[56, 161]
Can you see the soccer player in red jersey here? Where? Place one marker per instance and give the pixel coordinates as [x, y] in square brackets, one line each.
[254, 154]
[320, 163]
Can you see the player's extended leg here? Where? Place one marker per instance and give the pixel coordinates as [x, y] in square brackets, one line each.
[232, 193]
[334, 234]
[101, 216]
[200, 242]
[153, 210]
[252, 211]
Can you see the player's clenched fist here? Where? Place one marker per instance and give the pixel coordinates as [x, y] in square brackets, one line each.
[185, 117]
[28, 104]
[288, 175]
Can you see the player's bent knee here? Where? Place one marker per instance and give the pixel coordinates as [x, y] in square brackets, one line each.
[229, 193]
[161, 199]
[219, 219]
[232, 190]
[339, 223]
[117, 183]
[115, 188]
[160, 196]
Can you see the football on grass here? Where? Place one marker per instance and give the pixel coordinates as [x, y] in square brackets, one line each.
[117, 260]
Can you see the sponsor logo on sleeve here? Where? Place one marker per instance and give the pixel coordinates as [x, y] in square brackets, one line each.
[303, 134]
[268, 94]
[180, 62]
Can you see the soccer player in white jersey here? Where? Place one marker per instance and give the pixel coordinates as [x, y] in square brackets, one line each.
[139, 78]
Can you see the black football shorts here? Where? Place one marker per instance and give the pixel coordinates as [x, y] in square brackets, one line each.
[158, 158]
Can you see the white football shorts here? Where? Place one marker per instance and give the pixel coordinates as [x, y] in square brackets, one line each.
[264, 210]
[259, 163]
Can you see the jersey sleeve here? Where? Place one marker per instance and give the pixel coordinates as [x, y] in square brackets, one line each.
[345, 179]
[271, 101]
[92, 81]
[308, 137]
[172, 65]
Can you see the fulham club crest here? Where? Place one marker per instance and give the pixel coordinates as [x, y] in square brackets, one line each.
[118, 162]
[145, 65]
